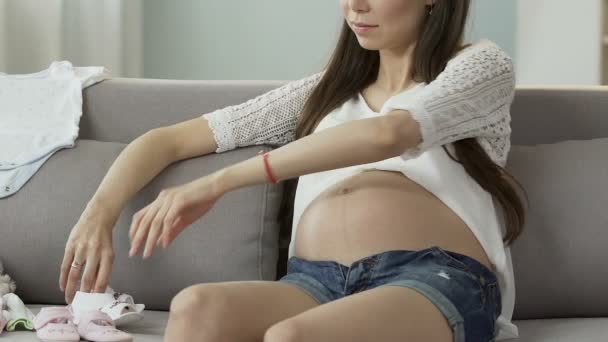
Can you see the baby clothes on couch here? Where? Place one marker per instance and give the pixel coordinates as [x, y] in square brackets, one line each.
[120, 307]
[39, 115]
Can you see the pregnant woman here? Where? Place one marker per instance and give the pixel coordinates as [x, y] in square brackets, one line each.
[403, 213]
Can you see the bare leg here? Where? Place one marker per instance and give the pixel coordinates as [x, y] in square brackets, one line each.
[233, 311]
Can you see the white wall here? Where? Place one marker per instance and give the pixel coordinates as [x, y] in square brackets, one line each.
[559, 42]
[34, 33]
[268, 39]
[495, 20]
[237, 39]
[3, 35]
[605, 52]
[195, 39]
[29, 35]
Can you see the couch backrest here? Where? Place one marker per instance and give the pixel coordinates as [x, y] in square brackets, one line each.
[544, 115]
[120, 109]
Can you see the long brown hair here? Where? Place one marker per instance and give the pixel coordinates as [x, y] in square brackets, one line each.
[352, 68]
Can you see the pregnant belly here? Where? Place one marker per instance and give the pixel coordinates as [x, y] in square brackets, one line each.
[376, 211]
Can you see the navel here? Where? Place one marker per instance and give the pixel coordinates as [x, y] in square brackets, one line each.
[344, 190]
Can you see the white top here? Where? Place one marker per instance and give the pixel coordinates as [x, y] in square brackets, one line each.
[470, 98]
[40, 114]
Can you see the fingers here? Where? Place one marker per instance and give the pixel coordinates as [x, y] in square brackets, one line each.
[74, 274]
[68, 256]
[139, 221]
[137, 217]
[155, 225]
[141, 230]
[171, 233]
[168, 226]
[156, 229]
[103, 275]
[90, 270]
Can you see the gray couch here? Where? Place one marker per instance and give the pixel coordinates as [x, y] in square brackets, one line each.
[559, 262]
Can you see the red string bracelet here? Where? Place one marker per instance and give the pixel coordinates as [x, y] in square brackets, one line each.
[268, 169]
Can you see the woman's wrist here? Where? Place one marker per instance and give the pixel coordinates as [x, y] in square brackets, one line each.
[242, 174]
[220, 181]
[97, 211]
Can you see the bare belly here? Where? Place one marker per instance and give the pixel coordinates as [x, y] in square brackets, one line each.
[376, 211]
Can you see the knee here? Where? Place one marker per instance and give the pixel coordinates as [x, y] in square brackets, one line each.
[285, 331]
[194, 298]
[197, 305]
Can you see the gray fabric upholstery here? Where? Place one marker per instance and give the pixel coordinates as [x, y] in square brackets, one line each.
[121, 109]
[548, 115]
[151, 328]
[562, 330]
[563, 245]
[237, 239]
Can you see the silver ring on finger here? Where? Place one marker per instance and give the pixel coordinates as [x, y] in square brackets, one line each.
[77, 264]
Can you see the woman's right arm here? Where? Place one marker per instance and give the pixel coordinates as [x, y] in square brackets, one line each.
[267, 119]
[143, 159]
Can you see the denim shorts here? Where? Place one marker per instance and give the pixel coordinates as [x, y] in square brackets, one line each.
[462, 288]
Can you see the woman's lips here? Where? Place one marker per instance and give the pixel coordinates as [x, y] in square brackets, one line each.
[363, 28]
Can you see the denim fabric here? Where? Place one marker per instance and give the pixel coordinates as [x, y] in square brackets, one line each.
[463, 289]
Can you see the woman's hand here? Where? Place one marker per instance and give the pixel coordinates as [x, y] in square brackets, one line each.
[88, 255]
[161, 221]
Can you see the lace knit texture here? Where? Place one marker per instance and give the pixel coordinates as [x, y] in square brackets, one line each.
[270, 118]
[470, 98]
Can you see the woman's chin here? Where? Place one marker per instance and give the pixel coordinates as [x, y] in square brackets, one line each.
[368, 45]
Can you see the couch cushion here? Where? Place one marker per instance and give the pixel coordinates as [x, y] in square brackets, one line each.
[562, 330]
[236, 240]
[152, 328]
[560, 259]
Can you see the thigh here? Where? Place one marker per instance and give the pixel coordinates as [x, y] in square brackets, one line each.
[379, 314]
[427, 295]
[242, 309]
[463, 289]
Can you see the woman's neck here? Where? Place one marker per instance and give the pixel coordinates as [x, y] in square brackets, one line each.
[394, 74]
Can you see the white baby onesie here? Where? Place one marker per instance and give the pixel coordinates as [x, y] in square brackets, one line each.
[39, 115]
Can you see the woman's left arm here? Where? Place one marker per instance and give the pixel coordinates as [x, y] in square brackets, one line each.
[352, 143]
[470, 98]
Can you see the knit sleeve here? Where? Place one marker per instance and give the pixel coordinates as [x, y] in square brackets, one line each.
[270, 118]
[470, 98]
